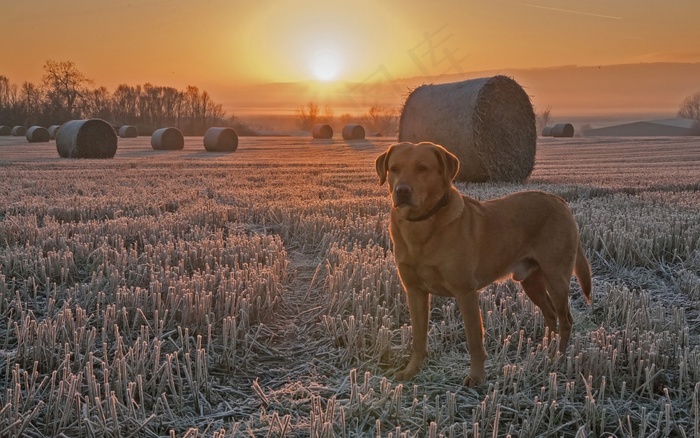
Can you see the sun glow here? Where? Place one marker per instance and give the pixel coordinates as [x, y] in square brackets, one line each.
[325, 65]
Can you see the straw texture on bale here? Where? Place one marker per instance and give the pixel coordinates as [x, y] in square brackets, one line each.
[19, 131]
[563, 130]
[5, 130]
[220, 140]
[353, 132]
[488, 123]
[322, 131]
[167, 139]
[53, 130]
[86, 138]
[37, 134]
[128, 131]
[547, 131]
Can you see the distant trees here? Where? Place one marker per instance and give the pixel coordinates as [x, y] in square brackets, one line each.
[378, 119]
[690, 108]
[65, 93]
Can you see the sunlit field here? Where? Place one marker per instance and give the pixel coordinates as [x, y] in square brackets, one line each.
[195, 294]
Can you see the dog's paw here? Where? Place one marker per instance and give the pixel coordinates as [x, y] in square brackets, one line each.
[405, 374]
[472, 381]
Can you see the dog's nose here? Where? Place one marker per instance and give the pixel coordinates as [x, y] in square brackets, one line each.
[402, 193]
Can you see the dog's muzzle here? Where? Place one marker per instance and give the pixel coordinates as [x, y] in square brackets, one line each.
[402, 195]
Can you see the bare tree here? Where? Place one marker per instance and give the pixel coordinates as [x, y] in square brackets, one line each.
[125, 104]
[345, 118]
[65, 86]
[543, 118]
[31, 101]
[4, 92]
[690, 108]
[383, 121]
[307, 116]
[98, 103]
[328, 115]
[172, 106]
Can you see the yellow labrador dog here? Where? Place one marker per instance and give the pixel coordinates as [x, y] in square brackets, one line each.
[452, 245]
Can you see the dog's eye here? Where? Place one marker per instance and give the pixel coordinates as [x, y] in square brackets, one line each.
[422, 168]
[393, 169]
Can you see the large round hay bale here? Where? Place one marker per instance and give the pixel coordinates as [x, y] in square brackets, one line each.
[353, 132]
[19, 131]
[220, 140]
[128, 131]
[488, 123]
[547, 131]
[86, 138]
[322, 131]
[5, 130]
[53, 130]
[37, 134]
[167, 139]
[563, 130]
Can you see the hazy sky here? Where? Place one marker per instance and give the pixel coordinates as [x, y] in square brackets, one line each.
[222, 45]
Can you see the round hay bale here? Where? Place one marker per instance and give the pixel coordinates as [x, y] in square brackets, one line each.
[128, 131]
[86, 138]
[353, 132]
[37, 134]
[488, 123]
[19, 131]
[563, 130]
[53, 130]
[547, 131]
[220, 140]
[167, 139]
[5, 130]
[322, 131]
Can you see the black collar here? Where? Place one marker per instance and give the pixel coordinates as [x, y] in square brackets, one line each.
[441, 203]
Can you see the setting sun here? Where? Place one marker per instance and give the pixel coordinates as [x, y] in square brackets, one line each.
[325, 65]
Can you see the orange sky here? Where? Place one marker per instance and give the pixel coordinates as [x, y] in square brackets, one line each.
[223, 46]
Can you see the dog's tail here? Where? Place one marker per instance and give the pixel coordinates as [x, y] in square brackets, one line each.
[582, 269]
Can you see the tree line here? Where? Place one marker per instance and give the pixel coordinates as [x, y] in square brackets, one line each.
[378, 120]
[65, 93]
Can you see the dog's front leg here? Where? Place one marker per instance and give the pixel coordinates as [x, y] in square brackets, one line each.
[419, 309]
[474, 328]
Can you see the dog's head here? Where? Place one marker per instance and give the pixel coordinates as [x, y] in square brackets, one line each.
[418, 174]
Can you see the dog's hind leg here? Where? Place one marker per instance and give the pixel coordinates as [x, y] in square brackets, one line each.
[535, 288]
[558, 288]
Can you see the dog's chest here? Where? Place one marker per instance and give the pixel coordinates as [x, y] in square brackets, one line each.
[425, 277]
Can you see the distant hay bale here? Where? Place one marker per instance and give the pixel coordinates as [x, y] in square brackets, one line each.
[547, 131]
[37, 134]
[220, 140]
[128, 131]
[19, 131]
[167, 139]
[5, 130]
[353, 132]
[488, 123]
[87, 138]
[53, 130]
[322, 131]
[563, 130]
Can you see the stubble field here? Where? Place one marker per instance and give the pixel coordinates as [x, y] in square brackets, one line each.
[195, 294]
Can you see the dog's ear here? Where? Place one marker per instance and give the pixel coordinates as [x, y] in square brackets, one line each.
[449, 162]
[381, 164]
